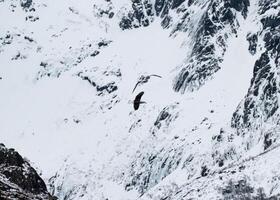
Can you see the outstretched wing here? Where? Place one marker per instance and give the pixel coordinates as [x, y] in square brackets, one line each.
[156, 75]
[144, 79]
[136, 86]
[137, 100]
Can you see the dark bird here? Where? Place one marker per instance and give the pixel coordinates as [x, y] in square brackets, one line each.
[144, 79]
[137, 101]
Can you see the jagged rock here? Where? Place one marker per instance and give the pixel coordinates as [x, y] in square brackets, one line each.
[261, 101]
[26, 4]
[210, 39]
[18, 180]
[253, 40]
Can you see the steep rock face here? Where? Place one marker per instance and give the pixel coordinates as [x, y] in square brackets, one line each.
[259, 109]
[144, 12]
[18, 180]
[140, 16]
[216, 26]
[171, 13]
[209, 32]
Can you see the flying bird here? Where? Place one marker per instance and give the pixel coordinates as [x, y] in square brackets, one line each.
[137, 101]
[144, 79]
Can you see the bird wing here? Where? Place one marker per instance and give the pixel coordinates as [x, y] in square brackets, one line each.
[156, 75]
[144, 79]
[137, 100]
[139, 96]
[136, 86]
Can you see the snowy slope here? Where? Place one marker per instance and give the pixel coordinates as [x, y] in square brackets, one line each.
[209, 124]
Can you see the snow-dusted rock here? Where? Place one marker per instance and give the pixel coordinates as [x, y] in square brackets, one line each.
[18, 180]
[209, 127]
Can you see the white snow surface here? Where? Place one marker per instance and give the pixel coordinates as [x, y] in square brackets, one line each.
[67, 131]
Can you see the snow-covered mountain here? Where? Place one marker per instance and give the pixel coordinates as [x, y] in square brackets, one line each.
[209, 127]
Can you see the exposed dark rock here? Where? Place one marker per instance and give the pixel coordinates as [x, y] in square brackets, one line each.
[242, 190]
[221, 163]
[19, 56]
[102, 88]
[31, 18]
[267, 141]
[87, 79]
[190, 2]
[95, 53]
[26, 3]
[239, 190]
[109, 88]
[8, 38]
[253, 41]
[141, 15]
[261, 102]
[18, 180]
[103, 43]
[144, 11]
[240, 6]
[204, 171]
[29, 39]
[218, 138]
[204, 60]
[165, 118]
[111, 15]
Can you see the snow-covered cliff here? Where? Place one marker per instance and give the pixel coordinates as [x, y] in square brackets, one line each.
[209, 72]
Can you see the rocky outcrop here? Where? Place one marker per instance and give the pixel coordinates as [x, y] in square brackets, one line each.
[261, 103]
[215, 27]
[140, 15]
[18, 180]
